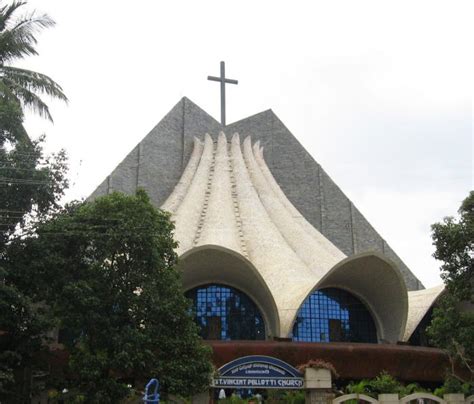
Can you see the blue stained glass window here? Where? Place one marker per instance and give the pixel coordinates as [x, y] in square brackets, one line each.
[331, 315]
[225, 313]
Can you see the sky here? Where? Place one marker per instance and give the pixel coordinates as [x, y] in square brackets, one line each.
[378, 92]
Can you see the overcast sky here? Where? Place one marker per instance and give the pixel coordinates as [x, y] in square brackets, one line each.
[380, 93]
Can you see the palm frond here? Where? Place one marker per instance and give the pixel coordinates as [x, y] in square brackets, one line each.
[33, 81]
[34, 22]
[18, 39]
[7, 11]
[28, 99]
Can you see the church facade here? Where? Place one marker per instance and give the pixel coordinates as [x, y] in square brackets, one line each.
[276, 259]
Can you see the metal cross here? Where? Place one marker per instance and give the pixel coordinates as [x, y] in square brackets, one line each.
[223, 81]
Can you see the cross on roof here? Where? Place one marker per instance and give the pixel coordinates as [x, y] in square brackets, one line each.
[223, 82]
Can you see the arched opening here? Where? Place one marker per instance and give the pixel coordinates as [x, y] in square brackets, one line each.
[376, 282]
[226, 313]
[420, 336]
[334, 315]
[420, 314]
[206, 265]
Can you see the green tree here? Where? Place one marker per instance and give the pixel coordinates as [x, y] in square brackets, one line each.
[452, 327]
[29, 182]
[106, 269]
[30, 188]
[454, 242]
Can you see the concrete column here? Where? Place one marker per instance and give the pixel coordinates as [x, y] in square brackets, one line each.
[201, 398]
[317, 378]
[454, 398]
[388, 398]
[317, 396]
[318, 384]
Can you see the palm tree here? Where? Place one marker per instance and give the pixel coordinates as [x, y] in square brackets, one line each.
[17, 40]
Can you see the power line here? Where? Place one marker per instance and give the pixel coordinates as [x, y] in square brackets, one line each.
[89, 228]
[19, 181]
[16, 153]
[90, 235]
[10, 211]
[75, 220]
[19, 169]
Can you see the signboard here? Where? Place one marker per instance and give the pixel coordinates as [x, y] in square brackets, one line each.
[258, 372]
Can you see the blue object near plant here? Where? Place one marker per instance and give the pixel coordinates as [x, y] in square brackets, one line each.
[151, 392]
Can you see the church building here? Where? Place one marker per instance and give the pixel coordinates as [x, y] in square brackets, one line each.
[275, 257]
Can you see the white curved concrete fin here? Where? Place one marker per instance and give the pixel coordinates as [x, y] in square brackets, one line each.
[286, 274]
[321, 241]
[188, 214]
[419, 302]
[311, 247]
[176, 197]
[219, 226]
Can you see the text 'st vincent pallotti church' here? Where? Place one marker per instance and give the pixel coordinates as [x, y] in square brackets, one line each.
[277, 260]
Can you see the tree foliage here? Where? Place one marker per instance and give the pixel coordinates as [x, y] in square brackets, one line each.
[106, 269]
[454, 242]
[31, 185]
[452, 327]
[384, 383]
[30, 188]
[17, 40]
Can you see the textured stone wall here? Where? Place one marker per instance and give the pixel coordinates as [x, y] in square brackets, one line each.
[157, 162]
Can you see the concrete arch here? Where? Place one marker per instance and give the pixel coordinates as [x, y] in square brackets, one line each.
[354, 293]
[417, 396]
[378, 283]
[419, 303]
[218, 265]
[354, 396]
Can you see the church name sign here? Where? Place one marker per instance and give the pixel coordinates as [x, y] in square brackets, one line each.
[263, 372]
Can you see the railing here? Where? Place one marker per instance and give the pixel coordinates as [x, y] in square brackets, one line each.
[420, 398]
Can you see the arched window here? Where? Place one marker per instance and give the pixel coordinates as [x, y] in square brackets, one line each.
[330, 315]
[226, 313]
